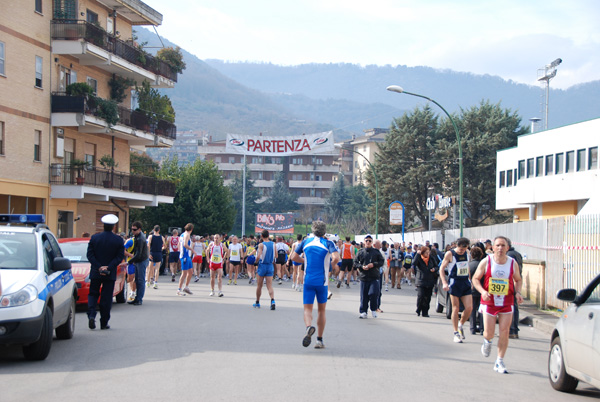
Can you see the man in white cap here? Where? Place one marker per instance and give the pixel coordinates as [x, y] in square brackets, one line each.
[105, 252]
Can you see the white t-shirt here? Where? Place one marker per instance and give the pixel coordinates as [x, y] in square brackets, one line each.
[235, 252]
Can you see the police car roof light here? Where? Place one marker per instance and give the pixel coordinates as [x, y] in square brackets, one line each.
[25, 219]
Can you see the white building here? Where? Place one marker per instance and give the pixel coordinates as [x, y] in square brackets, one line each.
[551, 173]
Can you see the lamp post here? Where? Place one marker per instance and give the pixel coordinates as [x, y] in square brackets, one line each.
[400, 90]
[376, 187]
[546, 74]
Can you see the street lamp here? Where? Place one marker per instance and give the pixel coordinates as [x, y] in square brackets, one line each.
[547, 73]
[376, 187]
[400, 90]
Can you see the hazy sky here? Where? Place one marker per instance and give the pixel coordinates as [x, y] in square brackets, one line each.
[508, 38]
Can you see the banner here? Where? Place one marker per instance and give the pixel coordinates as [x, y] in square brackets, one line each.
[396, 213]
[274, 223]
[279, 146]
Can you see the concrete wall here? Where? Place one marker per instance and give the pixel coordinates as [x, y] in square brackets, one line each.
[534, 281]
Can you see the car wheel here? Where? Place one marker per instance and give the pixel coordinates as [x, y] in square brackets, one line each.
[448, 306]
[438, 306]
[40, 349]
[121, 296]
[559, 379]
[66, 330]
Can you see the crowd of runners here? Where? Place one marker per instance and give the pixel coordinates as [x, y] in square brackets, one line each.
[483, 280]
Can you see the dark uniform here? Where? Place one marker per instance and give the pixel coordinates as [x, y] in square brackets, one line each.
[104, 249]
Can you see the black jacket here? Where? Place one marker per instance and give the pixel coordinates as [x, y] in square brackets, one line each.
[517, 256]
[140, 248]
[105, 249]
[424, 276]
[366, 256]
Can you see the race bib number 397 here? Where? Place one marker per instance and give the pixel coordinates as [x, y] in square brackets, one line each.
[498, 287]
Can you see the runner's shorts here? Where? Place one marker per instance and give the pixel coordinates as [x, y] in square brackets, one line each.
[235, 262]
[347, 264]
[460, 288]
[186, 263]
[214, 267]
[280, 259]
[310, 291]
[494, 311]
[251, 260]
[156, 258]
[197, 259]
[173, 256]
[265, 270]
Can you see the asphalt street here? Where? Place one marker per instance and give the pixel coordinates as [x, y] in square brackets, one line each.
[200, 348]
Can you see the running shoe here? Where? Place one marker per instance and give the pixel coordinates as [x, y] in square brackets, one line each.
[499, 367]
[147, 284]
[329, 295]
[347, 285]
[172, 278]
[387, 288]
[461, 331]
[220, 294]
[155, 286]
[272, 304]
[319, 345]
[363, 315]
[280, 282]
[187, 290]
[180, 293]
[293, 286]
[229, 283]
[309, 332]
[409, 283]
[197, 278]
[339, 283]
[256, 305]
[486, 348]
[235, 283]
[457, 338]
[212, 293]
[374, 313]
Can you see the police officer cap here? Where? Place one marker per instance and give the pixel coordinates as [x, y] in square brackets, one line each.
[109, 219]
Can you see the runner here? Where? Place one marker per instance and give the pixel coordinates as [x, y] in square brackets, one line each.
[295, 265]
[251, 261]
[406, 270]
[266, 257]
[236, 255]
[347, 251]
[215, 254]
[499, 281]
[282, 252]
[156, 244]
[186, 261]
[173, 242]
[198, 254]
[458, 285]
[319, 254]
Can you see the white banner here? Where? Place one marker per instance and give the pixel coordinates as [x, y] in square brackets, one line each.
[280, 146]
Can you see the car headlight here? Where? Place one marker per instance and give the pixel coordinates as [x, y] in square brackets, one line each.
[20, 298]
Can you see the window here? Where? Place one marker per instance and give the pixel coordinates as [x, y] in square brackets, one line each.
[256, 159]
[549, 165]
[515, 176]
[356, 164]
[37, 146]
[560, 163]
[580, 160]
[509, 178]
[93, 83]
[38, 6]
[593, 158]
[65, 77]
[90, 155]
[2, 140]
[38, 71]
[570, 164]
[217, 159]
[65, 9]
[2, 72]
[521, 169]
[502, 179]
[91, 17]
[296, 161]
[530, 167]
[539, 166]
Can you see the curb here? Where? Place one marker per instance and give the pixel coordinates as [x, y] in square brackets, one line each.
[545, 324]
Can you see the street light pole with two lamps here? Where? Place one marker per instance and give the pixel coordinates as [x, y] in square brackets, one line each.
[400, 90]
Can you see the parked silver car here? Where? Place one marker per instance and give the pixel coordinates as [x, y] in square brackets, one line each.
[575, 351]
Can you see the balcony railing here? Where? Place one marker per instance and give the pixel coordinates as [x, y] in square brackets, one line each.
[97, 177]
[75, 30]
[63, 103]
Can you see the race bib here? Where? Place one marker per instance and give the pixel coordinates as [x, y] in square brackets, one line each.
[216, 258]
[462, 268]
[234, 252]
[498, 287]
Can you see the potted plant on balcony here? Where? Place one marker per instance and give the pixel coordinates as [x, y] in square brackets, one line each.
[78, 165]
[118, 87]
[108, 163]
[173, 57]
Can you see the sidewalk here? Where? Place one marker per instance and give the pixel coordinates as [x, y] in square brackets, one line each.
[530, 314]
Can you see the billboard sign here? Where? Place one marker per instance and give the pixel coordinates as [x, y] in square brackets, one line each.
[275, 223]
[279, 146]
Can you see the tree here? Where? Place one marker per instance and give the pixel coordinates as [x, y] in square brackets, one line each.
[281, 199]
[484, 130]
[336, 203]
[142, 164]
[252, 205]
[153, 104]
[200, 198]
[408, 166]
[173, 57]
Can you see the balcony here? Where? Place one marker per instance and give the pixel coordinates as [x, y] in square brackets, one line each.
[95, 184]
[314, 168]
[310, 184]
[93, 46]
[133, 126]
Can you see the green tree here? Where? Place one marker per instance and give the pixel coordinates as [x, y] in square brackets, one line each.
[484, 130]
[336, 203]
[358, 202]
[153, 104]
[200, 198]
[173, 57]
[413, 169]
[142, 164]
[252, 205]
[281, 199]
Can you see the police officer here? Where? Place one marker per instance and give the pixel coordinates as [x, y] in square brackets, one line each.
[105, 252]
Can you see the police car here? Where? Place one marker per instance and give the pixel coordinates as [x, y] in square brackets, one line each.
[37, 289]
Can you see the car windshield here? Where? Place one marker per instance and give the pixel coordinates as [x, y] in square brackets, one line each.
[75, 251]
[17, 250]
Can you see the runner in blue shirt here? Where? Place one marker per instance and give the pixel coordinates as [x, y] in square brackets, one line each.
[265, 256]
[319, 253]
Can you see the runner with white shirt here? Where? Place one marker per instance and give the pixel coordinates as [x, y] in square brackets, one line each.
[236, 255]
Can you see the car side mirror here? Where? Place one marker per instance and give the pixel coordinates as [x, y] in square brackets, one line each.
[61, 264]
[568, 295]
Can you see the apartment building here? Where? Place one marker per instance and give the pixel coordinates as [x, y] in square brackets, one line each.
[67, 155]
[310, 177]
[363, 152]
[551, 173]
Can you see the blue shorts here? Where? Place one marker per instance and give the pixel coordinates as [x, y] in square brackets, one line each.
[310, 291]
[186, 263]
[130, 269]
[265, 270]
[460, 287]
[251, 260]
